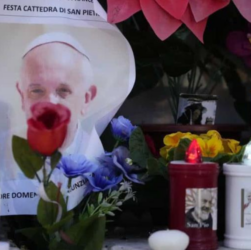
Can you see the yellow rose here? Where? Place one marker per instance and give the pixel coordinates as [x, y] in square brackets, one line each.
[173, 140]
[211, 147]
[231, 146]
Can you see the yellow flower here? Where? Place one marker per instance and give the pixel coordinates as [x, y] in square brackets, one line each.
[211, 147]
[231, 146]
[210, 134]
[164, 151]
[173, 140]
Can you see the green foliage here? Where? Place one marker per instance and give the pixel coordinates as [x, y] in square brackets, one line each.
[139, 151]
[88, 233]
[157, 167]
[29, 161]
[226, 158]
[180, 151]
[36, 235]
[47, 211]
[61, 224]
[141, 155]
[55, 158]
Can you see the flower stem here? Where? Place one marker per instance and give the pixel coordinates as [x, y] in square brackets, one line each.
[38, 178]
[44, 172]
[69, 186]
[86, 203]
[116, 144]
[49, 176]
[44, 175]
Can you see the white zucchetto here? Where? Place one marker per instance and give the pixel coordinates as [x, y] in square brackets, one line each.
[56, 37]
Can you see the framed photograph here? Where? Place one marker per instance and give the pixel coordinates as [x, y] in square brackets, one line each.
[201, 208]
[197, 109]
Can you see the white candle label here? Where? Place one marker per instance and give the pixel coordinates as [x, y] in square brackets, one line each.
[201, 208]
[246, 208]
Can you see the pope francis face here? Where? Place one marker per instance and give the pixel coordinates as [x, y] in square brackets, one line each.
[56, 72]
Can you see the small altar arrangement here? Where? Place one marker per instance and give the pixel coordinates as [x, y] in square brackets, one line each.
[107, 180]
[193, 166]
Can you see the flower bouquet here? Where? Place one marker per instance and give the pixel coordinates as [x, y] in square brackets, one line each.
[214, 148]
[107, 181]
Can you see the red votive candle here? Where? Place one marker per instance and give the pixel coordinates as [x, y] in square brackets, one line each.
[193, 199]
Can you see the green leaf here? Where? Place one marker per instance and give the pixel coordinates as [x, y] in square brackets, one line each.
[94, 235]
[139, 151]
[227, 158]
[157, 167]
[238, 157]
[152, 166]
[89, 233]
[47, 211]
[180, 151]
[163, 165]
[55, 158]
[220, 158]
[36, 235]
[170, 156]
[29, 161]
[100, 197]
[59, 225]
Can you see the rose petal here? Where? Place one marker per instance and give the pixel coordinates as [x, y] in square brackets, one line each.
[176, 8]
[202, 9]
[34, 124]
[244, 6]
[162, 23]
[197, 28]
[41, 107]
[119, 10]
[238, 43]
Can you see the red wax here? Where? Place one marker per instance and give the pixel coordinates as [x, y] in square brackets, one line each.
[193, 188]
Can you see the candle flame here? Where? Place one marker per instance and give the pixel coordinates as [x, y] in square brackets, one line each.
[193, 153]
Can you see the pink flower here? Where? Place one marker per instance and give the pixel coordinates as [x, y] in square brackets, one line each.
[238, 42]
[166, 16]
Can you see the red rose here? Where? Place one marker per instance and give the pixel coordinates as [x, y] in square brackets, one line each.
[47, 128]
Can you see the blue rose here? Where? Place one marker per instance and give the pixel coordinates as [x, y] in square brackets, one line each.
[122, 128]
[76, 165]
[121, 159]
[104, 178]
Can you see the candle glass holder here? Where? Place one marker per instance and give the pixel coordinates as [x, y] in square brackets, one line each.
[193, 202]
[238, 206]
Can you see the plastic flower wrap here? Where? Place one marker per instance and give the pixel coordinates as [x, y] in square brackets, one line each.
[213, 147]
